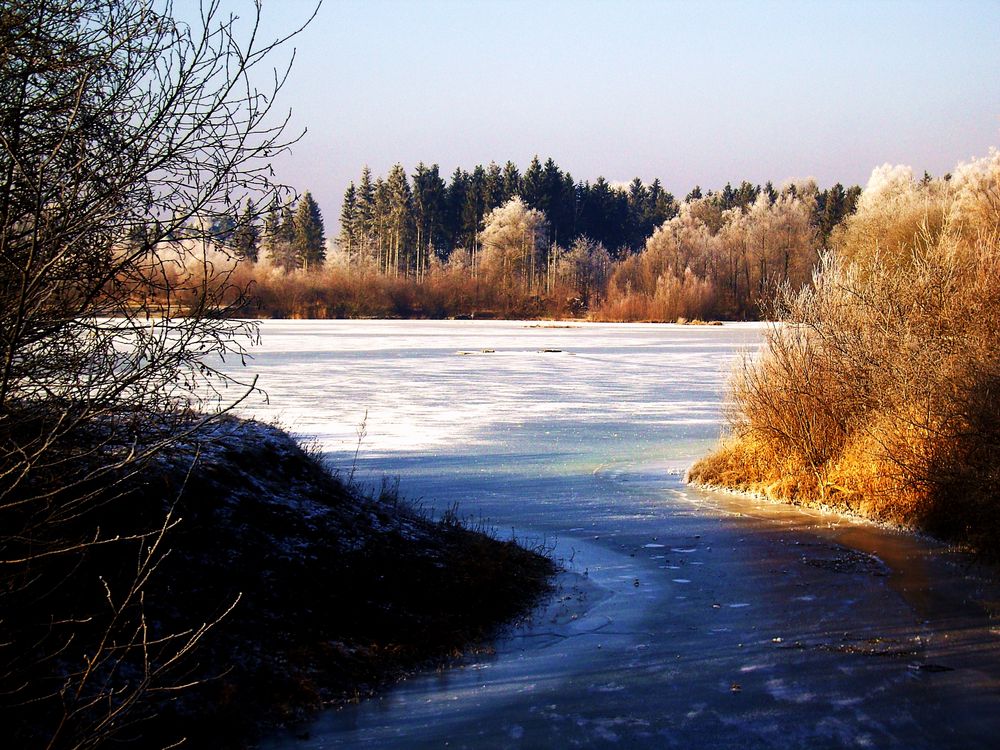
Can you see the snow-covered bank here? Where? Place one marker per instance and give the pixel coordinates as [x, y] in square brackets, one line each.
[319, 594]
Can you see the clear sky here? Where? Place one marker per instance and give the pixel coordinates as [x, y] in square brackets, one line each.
[690, 92]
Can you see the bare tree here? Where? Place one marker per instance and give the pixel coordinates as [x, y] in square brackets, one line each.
[127, 139]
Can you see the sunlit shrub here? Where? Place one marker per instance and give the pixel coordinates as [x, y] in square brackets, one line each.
[881, 384]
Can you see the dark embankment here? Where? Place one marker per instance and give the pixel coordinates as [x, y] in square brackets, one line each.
[879, 394]
[336, 595]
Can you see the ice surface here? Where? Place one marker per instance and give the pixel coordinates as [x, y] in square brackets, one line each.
[625, 383]
[583, 451]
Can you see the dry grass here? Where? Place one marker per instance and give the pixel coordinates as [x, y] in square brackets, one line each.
[878, 396]
[360, 293]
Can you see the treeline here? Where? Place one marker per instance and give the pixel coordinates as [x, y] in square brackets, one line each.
[877, 394]
[496, 242]
[400, 221]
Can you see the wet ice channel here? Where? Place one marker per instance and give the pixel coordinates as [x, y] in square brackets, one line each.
[684, 618]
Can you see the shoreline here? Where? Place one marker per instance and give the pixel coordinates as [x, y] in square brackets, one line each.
[310, 593]
[920, 567]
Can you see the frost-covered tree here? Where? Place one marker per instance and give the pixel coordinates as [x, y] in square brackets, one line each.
[892, 208]
[778, 245]
[585, 267]
[514, 246]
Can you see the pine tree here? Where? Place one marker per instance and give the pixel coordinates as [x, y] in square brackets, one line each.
[245, 239]
[531, 184]
[309, 240]
[380, 224]
[365, 213]
[493, 187]
[455, 200]
[348, 239]
[428, 212]
[400, 217]
[511, 183]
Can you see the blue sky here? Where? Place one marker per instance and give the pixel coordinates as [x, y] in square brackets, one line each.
[690, 92]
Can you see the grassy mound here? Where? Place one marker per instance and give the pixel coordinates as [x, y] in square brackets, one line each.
[318, 595]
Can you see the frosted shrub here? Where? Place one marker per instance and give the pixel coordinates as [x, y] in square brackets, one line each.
[878, 393]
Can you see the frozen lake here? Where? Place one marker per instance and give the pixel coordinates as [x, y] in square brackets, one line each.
[684, 618]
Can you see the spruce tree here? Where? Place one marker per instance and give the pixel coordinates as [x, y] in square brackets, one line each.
[245, 239]
[493, 187]
[455, 208]
[638, 227]
[380, 224]
[349, 222]
[551, 188]
[566, 219]
[473, 210]
[662, 206]
[511, 183]
[286, 229]
[746, 194]
[531, 184]
[400, 217]
[428, 211]
[365, 212]
[309, 240]
[770, 192]
[281, 250]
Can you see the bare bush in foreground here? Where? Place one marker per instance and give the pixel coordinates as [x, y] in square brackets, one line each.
[127, 140]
